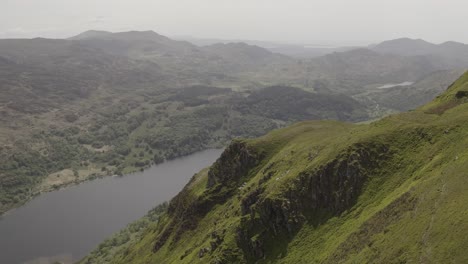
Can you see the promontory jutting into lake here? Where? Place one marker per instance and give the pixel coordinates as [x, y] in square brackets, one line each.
[67, 224]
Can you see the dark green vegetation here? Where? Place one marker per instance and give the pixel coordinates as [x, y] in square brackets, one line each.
[392, 191]
[111, 103]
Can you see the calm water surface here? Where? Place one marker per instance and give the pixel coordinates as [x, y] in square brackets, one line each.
[67, 224]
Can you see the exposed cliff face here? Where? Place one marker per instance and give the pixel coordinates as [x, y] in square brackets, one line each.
[233, 164]
[336, 185]
[186, 209]
[331, 189]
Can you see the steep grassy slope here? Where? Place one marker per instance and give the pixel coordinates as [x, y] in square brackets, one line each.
[393, 191]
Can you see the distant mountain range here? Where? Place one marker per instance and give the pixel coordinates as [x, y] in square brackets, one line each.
[415, 47]
[401, 46]
[292, 50]
[450, 53]
[74, 67]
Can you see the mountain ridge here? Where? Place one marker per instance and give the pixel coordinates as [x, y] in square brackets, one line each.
[457, 52]
[325, 192]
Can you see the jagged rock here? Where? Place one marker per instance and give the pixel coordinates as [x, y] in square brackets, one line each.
[257, 248]
[216, 241]
[249, 200]
[461, 94]
[333, 187]
[234, 163]
[266, 177]
[202, 252]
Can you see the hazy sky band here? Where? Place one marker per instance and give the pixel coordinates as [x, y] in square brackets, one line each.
[337, 22]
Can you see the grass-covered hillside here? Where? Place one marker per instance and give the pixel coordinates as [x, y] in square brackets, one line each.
[393, 191]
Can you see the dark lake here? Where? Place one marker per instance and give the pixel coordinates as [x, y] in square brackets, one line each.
[67, 224]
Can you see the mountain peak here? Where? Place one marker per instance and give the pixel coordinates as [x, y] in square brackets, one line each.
[419, 47]
[238, 49]
[452, 44]
[144, 33]
[405, 46]
[407, 42]
[90, 34]
[128, 35]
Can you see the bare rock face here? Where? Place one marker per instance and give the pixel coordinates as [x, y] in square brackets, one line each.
[233, 164]
[225, 174]
[250, 200]
[461, 94]
[329, 189]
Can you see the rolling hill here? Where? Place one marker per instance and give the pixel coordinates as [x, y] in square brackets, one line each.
[450, 54]
[392, 191]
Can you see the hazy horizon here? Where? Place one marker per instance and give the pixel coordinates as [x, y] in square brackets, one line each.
[335, 22]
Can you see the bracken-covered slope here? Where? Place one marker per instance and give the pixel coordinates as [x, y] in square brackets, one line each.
[393, 191]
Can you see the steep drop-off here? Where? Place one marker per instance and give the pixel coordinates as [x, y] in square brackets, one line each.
[393, 191]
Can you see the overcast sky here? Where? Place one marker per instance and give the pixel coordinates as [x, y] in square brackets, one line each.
[336, 22]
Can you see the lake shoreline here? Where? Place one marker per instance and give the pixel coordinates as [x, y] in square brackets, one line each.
[34, 194]
[75, 220]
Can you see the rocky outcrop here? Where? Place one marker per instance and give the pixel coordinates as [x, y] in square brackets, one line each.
[336, 185]
[233, 164]
[250, 200]
[461, 94]
[185, 210]
[323, 192]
